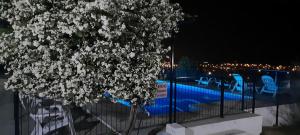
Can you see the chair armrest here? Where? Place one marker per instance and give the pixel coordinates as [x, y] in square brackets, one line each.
[50, 110]
[46, 115]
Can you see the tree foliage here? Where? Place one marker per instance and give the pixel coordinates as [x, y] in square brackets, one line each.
[76, 50]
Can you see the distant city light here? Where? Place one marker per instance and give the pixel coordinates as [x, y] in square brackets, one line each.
[168, 65]
[211, 68]
[237, 66]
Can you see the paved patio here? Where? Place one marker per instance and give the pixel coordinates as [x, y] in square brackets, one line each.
[6, 111]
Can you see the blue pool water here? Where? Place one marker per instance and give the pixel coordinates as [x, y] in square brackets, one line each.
[186, 96]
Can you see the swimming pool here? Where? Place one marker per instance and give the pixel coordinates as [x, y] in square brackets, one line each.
[187, 96]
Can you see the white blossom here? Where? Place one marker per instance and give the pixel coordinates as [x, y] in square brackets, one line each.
[131, 54]
[77, 50]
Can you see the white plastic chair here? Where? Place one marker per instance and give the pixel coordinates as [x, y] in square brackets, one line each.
[204, 81]
[47, 118]
[228, 85]
[269, 85]
[238, 85]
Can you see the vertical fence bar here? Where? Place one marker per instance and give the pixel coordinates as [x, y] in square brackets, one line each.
[70, 120]
[21, 116]
[96, 112]
[222, 98]
[243, 94]
[277, 113]
[28, 113]
[16, 113]
[171, 84]
[55, 113]
[277, 110]
[175, 97]
[253, 95]
[171, 99]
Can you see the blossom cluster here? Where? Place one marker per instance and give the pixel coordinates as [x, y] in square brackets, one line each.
[77, 50]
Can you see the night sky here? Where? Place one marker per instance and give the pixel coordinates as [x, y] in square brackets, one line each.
[239, 31]
[246, 32]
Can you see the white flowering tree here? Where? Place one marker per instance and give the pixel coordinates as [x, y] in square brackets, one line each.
[75, 50]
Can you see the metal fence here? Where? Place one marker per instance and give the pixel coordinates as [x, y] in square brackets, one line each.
[189, 98]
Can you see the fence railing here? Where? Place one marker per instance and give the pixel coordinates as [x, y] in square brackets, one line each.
[189, 99]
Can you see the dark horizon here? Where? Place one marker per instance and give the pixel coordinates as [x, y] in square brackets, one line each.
[226, 31]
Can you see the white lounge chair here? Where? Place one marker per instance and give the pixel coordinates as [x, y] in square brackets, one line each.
[47, 118]
[204, 81]
[238, 85]
[226, 84]
[269, 85]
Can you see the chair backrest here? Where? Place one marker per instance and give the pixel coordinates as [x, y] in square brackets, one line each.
[269, 83]
[212, 79]
[203, 79]
[29, 102]
[239, 81]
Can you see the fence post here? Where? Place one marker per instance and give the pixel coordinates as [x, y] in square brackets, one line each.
[171, 100]
[171, 84]
[277, 109]
[175, 98]
[222, 98]
[16, 113]
[253, 95]
[277, 113]
[243, 95]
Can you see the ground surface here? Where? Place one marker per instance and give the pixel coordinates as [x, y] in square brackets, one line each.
[288, 130]
[6, 111]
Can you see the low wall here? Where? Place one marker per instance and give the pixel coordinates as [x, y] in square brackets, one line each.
[250, 124]
[287, 114]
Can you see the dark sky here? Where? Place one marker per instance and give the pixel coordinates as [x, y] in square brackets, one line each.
[240, 31]
[252, 31]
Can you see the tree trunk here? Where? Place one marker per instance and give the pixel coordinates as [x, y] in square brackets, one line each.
[132, 119]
